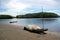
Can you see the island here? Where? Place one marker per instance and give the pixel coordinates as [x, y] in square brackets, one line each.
[39, 15]
[32, 15]
[5, 17]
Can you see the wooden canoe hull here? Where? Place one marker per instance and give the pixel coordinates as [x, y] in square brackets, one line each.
[36, 31]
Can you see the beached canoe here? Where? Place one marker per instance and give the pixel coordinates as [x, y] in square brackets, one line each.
[36, 30]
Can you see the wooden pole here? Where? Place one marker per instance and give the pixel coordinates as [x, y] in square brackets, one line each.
[42, 17]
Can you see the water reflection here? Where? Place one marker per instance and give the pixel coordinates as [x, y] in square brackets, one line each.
[53, 24]
[48, 19]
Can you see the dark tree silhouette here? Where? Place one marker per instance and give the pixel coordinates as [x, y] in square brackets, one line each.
[5, 17]
[39, 15]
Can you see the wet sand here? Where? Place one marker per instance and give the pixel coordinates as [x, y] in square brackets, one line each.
[10, 32]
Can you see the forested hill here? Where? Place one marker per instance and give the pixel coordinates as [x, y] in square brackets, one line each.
[5, 17]
[39, 15]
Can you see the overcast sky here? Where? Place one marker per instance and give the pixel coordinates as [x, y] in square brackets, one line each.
[19, 7]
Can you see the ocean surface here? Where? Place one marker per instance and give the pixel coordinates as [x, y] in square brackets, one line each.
[53, 24]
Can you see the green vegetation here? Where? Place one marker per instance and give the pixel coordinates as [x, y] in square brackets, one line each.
[39, 15]
[5, 17]
[32, 15]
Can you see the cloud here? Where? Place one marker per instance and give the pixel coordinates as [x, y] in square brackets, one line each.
[39, 3]
[14, 7]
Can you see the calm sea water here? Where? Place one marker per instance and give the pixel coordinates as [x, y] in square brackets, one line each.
[53, 24]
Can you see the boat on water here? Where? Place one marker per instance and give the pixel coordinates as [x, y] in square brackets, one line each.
[13, 20]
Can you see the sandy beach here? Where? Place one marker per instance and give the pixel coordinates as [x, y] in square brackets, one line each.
[11, 32]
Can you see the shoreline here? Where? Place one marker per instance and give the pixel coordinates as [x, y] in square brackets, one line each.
[11, 32]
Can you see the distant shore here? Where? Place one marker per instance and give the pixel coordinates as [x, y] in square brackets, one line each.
[11, 32]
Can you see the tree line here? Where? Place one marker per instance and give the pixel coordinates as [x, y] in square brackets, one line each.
[32, 15]
[39, 15]
[5, 17]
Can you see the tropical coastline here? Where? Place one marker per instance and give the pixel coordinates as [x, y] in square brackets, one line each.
[11, 32]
